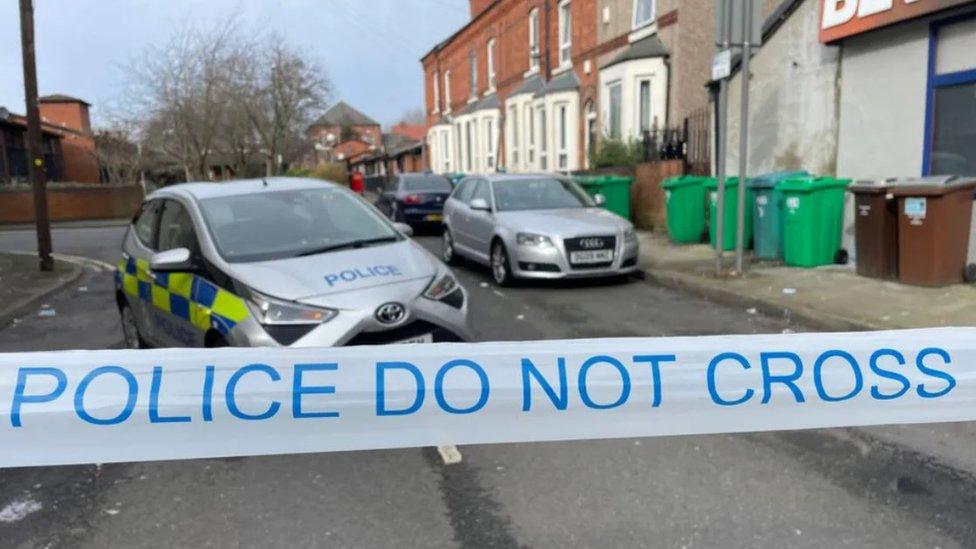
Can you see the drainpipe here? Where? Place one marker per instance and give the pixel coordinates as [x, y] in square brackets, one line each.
[546, 9]
[667, 91]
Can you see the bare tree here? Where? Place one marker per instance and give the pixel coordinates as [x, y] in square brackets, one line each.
[118, 154]
[181, 91]
[215, 97]
[282, 91]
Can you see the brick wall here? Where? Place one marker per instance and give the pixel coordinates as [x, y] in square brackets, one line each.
[70, 203]
[646, 195]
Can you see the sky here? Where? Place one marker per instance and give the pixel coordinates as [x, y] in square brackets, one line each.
[370, 49]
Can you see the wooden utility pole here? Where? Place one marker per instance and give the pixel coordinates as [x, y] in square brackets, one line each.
[35, 150]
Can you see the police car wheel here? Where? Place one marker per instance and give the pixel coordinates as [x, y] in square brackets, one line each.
[500, 267]
[130, 330]
[447, 249]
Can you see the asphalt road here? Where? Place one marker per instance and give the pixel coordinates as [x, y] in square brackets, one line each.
[801, 489]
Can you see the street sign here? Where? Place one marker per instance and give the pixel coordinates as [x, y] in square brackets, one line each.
[729, 22]
[722, 65]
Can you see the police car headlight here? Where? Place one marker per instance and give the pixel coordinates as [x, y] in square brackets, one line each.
[532, 239]
[270, 311]
[441, 287]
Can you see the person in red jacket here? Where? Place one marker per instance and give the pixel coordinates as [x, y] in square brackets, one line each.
[356, 182]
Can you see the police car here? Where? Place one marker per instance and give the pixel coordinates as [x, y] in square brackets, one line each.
[279, 262]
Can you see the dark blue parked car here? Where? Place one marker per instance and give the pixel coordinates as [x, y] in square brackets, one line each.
[415, 198]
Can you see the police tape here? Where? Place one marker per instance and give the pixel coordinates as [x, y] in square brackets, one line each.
[75, 407]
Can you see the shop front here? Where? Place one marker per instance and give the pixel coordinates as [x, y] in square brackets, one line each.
[907, 86]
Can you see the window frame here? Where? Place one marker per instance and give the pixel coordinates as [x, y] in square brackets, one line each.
[562, 135]
[565, 12]
[447, 91]
[490, 66]
[635, 24]
[638, 82]
[528, 121]
[489, 127]
[610, 110]
[936, 80]
[437, 92]
[543, 138]
[513, 128]
[446, 141]
[534, 49]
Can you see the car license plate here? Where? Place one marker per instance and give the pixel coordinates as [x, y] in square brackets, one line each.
[424, 338]
[434, 217]
[591, 256]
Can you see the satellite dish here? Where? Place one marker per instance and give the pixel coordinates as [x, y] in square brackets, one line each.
[330, 138]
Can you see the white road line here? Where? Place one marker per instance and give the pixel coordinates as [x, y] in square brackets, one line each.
[499, 294]
[449, 454]
[95, 264]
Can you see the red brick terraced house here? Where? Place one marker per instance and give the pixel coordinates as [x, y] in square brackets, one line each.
[534, 85]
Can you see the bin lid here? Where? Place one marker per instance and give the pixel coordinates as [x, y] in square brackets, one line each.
[683, 181]
[934, 185]
[878, 186]
[811, 184]
[770, 180]
[730, 183]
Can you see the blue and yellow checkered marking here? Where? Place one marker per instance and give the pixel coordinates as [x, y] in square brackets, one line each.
[185, 295]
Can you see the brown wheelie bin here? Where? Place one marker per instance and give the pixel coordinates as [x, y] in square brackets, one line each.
[876, 228]
[934, 215]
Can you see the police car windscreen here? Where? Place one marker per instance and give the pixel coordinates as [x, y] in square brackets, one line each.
[281, 224]
[432, 183]
[539, 194]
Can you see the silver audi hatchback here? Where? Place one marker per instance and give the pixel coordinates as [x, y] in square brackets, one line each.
[279, 262]
[536, 226]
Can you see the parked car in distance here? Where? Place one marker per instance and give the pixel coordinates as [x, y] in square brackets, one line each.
[536, 226]
[415, 198]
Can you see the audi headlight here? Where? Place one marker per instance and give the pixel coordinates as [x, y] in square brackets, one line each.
[275, 312]
[441, 287]
[532, 239]
[630, 234]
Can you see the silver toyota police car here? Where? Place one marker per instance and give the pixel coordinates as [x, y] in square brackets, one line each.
[279, 262]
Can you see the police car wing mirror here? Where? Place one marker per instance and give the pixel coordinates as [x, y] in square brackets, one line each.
[599, 199]
[175, 260]
[479, 204]
[407, 230]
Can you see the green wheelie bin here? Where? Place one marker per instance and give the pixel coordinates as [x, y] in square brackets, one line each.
[813, 208]
[730, 213]
[614, 188]
[767, 207]
[684, 198]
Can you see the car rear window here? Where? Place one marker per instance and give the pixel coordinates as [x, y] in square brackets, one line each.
[432, 183]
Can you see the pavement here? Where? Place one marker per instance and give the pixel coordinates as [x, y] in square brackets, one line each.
[812, 488]
[832, 297]
[23, 284]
